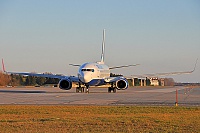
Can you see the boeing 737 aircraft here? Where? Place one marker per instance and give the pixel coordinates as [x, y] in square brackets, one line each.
[91, 74]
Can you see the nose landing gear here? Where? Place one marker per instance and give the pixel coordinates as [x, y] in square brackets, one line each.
[87, 88]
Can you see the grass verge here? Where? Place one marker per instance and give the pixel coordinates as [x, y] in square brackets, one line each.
[50, 118]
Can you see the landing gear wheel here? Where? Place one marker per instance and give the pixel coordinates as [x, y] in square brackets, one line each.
[82, 89]
[110, 89]
[114, 90]
[79, 89]
[87, 89]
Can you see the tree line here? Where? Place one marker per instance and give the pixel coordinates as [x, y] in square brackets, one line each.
[19, 80]
[4, 79]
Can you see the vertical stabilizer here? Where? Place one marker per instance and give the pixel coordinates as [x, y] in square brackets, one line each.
[3, 67]
[103, 47]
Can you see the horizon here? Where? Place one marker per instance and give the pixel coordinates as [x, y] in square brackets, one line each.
[162, 36]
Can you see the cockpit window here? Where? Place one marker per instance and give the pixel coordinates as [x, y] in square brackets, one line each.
[89, 70]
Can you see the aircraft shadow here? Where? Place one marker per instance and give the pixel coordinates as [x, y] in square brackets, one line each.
[29, 91]
[20, 91]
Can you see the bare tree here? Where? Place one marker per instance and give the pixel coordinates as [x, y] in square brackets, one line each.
[4, 79]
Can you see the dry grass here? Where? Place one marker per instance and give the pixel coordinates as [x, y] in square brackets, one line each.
[29, 118]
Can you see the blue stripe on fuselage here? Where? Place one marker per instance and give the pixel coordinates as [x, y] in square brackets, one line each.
[96, 82]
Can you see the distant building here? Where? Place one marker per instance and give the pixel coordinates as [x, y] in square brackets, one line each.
[162, 82]
[154, 81]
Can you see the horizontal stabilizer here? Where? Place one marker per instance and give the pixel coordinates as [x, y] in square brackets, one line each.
[75, 65]
[123, 66]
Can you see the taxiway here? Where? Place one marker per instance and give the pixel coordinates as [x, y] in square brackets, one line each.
[147, 96]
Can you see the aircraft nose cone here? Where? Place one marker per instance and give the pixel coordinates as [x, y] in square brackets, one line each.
[86, 78]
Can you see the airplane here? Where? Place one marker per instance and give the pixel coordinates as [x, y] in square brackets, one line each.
[93, 74]
[89, 74]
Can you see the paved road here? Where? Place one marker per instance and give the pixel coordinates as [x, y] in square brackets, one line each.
[99, 96]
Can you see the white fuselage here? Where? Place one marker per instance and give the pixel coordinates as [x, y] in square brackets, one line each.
[93, 73]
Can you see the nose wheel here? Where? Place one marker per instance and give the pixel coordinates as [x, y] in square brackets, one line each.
[87, 89]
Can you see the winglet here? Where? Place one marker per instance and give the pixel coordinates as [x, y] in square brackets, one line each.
[195, 65]
[3, 67]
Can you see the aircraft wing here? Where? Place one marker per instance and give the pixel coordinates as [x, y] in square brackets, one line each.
[120, 82]
[37, 75]
[166, 74]
[73, 79]
[161, 74]
[113, 79]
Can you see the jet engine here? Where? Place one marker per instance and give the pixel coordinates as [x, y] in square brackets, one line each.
[65, 84]
[122, 84]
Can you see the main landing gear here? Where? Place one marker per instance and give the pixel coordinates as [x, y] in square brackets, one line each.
[80, 89]
[112, 88]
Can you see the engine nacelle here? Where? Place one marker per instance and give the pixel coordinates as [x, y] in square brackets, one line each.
[122, 84]
[65, 84]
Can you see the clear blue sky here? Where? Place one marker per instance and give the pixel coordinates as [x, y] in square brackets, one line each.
[47, 35]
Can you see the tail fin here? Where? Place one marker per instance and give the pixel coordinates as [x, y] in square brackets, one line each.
[103, 47]
[3, 67]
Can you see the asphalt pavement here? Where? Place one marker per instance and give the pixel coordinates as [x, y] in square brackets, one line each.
[141, 96]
